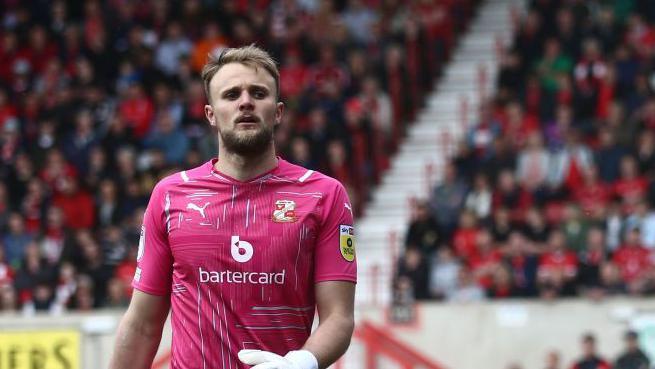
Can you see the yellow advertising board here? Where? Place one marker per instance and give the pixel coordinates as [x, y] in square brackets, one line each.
[51, 349]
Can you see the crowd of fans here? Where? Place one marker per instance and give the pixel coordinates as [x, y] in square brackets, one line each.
[100, 99]
[631, 357]
[551, 190]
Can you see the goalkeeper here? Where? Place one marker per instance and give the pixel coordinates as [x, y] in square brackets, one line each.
[244, 248]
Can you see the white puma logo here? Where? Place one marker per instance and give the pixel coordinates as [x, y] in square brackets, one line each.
[347, 205]
[197, 208]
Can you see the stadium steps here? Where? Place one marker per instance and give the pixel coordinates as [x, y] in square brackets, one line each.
[417, 165]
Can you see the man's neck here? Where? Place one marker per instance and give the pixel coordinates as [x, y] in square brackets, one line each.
[244, 168]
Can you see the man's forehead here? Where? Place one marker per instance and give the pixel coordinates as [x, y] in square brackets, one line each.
[237, 75]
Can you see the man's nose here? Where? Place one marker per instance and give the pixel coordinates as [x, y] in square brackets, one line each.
[245, 101]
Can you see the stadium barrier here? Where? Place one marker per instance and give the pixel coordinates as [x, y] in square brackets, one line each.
[452, 336]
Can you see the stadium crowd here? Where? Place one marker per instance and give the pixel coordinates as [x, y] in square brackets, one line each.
[100, 99]
[551, 191]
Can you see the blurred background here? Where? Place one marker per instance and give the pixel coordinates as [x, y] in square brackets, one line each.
[499, 155]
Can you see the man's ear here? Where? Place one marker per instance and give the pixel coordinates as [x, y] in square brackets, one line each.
[279, 112]
[209, 114]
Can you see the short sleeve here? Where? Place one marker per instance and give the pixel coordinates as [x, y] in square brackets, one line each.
[334, 258]
[154, 260]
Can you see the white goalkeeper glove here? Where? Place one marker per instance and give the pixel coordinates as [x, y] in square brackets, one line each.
[301, 359]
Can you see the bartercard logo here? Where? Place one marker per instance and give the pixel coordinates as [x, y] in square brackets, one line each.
[229, 276]
[241, 251]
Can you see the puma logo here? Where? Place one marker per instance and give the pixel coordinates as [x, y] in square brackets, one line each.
[347, 206]
[197, 208]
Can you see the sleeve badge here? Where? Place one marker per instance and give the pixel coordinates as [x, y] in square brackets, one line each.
[347, 242]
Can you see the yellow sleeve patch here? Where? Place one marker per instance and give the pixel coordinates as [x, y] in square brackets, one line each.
[347, 242]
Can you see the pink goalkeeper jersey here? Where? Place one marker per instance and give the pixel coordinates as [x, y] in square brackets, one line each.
[240, 259]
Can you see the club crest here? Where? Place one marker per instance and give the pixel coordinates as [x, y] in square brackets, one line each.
[285, 211]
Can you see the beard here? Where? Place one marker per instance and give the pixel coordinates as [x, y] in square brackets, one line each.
[249, 144]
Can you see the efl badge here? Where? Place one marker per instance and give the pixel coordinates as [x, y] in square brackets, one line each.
[285, 211]
[347, 242]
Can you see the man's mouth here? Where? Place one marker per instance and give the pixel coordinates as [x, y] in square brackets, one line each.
[247, 119]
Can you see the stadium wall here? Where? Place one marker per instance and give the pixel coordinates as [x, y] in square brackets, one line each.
[492, 335]
[487, 335]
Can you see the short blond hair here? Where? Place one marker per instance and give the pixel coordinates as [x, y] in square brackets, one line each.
[250, 55]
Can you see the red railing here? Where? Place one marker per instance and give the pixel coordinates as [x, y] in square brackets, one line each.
[380, 342]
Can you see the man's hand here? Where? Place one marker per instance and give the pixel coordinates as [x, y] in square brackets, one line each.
[301, 359]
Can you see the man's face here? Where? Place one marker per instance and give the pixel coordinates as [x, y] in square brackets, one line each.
[244, 108]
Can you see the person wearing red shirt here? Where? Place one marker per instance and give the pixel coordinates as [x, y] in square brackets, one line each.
[77, 205]
[137, 110]
[594, 195]
[465, 237]
[293, 76]
[631, 187]
[632, 258]
[486, 261]
[558, 267]
[517, 125]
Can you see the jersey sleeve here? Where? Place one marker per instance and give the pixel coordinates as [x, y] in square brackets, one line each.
[334, 258]
[154, 260]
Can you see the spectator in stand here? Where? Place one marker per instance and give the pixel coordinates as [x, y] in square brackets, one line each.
[76, 204]
[468, 290]
[644, 153]
[535, 227]
[447, 199]
[414, 267]
[444, 272]
[594, 195]
[591, 259]
[632, 357]
[502, 225]
[16, 240]
[522, 257]
[533, 165]
[590, 358]
[486, 261]
[552, 64]
[569, 163]
[589, 73]
[137, 110]
[423, 232]
[78, 145]
[558, 268]
[609, 154]
[574, 227]
[633, 261]
[465, 237]
[612, 283]
[644, 219]
[555, 131]
[481, 136]
[517, 125]
[479, 198]
[511, 195]
[631, 186]
[502, 285]
[173, 47]
[169, 139]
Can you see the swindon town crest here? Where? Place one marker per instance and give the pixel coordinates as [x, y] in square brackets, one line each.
[285, 211]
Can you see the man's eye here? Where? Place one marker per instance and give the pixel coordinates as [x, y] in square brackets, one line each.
[259, 94]
[231, 95]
